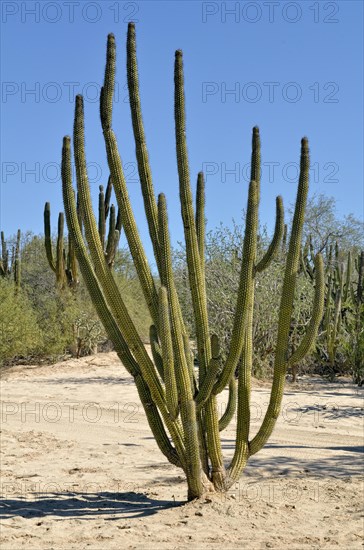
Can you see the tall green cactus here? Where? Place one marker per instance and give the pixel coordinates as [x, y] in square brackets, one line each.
[180, 404]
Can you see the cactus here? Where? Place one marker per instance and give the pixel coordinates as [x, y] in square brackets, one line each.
[65, 264]
[357, 296]
[180, 404]
[10, 265]
[336, 324]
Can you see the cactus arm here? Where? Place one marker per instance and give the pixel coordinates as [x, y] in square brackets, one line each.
[86, 267]
[60, 264]
[47, 236]
[360, 294]
[110, 245]
[327, 315]
[97, 254]
[119, 183]
[185, 389]
[255, 169]
[197, 282]
[245, 292]
[241, 453]
[144, 170]
[183, 380]
[211, 375]
[102, 218]
[317, 312]
[156, 424]
[277, 236]
[348, 277]
[332, 341]
[156, 350]
[245, 299]
[284, 240]
[108, 197]
[231, 405]
[196, 278]
[17, 272]
[286, 306]
[200, 218]
[119, 223]
[107, 91]
[4, 252]
[167, 354]
[72, 264]
[109, 322]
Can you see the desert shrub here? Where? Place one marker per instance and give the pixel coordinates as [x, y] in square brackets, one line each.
[19, 331]
[65, 319]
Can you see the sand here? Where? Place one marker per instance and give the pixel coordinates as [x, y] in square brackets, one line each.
[80, 469]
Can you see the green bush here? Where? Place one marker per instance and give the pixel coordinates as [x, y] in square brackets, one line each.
[20, 335]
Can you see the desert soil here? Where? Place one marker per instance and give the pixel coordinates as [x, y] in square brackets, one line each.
[80, 469]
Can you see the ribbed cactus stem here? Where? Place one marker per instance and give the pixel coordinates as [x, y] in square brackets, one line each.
[156, 350]
[277, 236]
[107, 92]
[195, 272]
[102, 217]
[108, 193]
[17, 264]
[348, 278]
[286, 306]
[197, 282]
[318, 307]
[231, 405]
[48, 236]
[247, 292]
[284, 239]
[60, 265]
[167, 354]
[255, 168]
[213, 370]
[145, 173]
[200, 218]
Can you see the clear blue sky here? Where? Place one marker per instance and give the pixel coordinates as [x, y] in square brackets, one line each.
[296, 68]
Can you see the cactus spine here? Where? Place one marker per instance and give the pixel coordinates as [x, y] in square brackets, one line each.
[181, 405]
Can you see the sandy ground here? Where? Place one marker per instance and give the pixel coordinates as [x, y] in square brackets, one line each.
[80, 468]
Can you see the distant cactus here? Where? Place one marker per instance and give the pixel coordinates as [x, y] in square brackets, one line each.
[10, 265]
[357, 296]
[64, 263]
[180, 404]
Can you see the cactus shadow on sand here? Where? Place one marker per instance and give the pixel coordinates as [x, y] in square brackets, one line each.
[126, 505]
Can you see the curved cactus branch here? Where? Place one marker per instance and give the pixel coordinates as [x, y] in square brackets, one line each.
[277, 236]
[316, 317]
